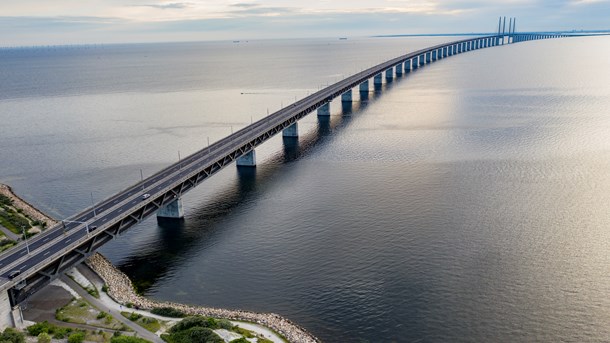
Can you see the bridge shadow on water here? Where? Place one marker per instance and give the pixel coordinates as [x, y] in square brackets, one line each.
[178, 238]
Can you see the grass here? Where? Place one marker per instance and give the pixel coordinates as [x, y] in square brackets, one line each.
[150, 324]
[80, 312]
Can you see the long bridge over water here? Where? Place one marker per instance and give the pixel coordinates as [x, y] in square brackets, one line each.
[27, 268]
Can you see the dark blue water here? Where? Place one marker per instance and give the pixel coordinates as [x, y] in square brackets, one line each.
[466, 201]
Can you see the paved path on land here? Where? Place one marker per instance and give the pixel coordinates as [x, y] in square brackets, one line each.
[9, 233]
[142, 332]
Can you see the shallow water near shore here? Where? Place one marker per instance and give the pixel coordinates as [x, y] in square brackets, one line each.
[466, 201]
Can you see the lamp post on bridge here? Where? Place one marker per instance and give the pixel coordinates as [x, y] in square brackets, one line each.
[142, 179]
[93, 203]
[25, 237]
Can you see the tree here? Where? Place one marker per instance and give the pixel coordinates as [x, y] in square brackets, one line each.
[13, 336]
[44, 337]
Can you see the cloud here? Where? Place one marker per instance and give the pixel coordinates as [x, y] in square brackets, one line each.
[245, 5]
[171, 5]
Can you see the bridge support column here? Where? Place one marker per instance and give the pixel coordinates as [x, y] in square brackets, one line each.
[347, 96]
[408, 65]
[324, 110]
[247, 160]
[428, 57]
[389, 74]
[364, 87]
[399, 69]
[291, 131]
[422, 60]
[172, 210]
[434, 55]
[6, 311]
[377, 80]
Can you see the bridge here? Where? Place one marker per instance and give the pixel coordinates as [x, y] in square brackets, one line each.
[28, 267]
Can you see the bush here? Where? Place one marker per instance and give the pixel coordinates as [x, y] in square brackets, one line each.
[190, 322]
[195, 335]
[77, 337]
[105, 288]
[93, 292]
[44, 337]
[128, 339]
[38, 328]
[240, 340]
[168, 312]
[4, 200]
[60, 332]
[101, 315]
[134, 316]
[13, 336]
[225, 324]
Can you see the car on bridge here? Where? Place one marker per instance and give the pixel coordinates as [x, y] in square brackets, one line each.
[145, 196]
[14, 274]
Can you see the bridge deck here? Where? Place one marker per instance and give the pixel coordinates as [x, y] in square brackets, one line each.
[62, 246]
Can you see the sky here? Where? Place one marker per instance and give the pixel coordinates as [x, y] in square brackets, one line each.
[57, 22]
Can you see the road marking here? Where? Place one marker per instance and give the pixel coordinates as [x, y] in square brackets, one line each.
[24, 251]
[105, 219]
[46, 253]
[46, 239]
[67, 240]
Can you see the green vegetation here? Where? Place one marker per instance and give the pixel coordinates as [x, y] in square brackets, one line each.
[167, 312]
[193, 329]
[150, 324]
[13, 219]
[93, 291]
[105, 288]
[45, 329]
[128, 339]
[13, 336]
[77, 337]
[44, 337]
[5, 201]
[240, 340]
[80, 312]
[5, 243]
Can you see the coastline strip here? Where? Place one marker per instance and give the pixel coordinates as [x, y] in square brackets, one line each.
[121, 290]
[30, 210]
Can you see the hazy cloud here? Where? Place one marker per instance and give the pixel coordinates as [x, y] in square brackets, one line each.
[172, 5]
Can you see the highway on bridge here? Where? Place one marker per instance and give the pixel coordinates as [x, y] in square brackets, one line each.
[129, 207]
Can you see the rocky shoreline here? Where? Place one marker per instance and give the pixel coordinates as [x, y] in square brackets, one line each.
[121, 290]
[28, 209]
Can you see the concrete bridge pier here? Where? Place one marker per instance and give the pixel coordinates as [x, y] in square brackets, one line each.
[422, 60]
[247, 160]
[389, 74]
[324, 110]
[364, 87]
[434, 55]
[172, 210]
[399, 69]
[428, 57]
[291, 131]
[347, 96]
[408, 66]
[377, 80]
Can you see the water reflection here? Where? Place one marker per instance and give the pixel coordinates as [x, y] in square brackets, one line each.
[178, 238]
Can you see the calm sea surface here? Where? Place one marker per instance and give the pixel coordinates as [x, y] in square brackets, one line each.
[467, 201]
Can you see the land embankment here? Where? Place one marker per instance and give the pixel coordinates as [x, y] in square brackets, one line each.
[28, 209]
[121, 290]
